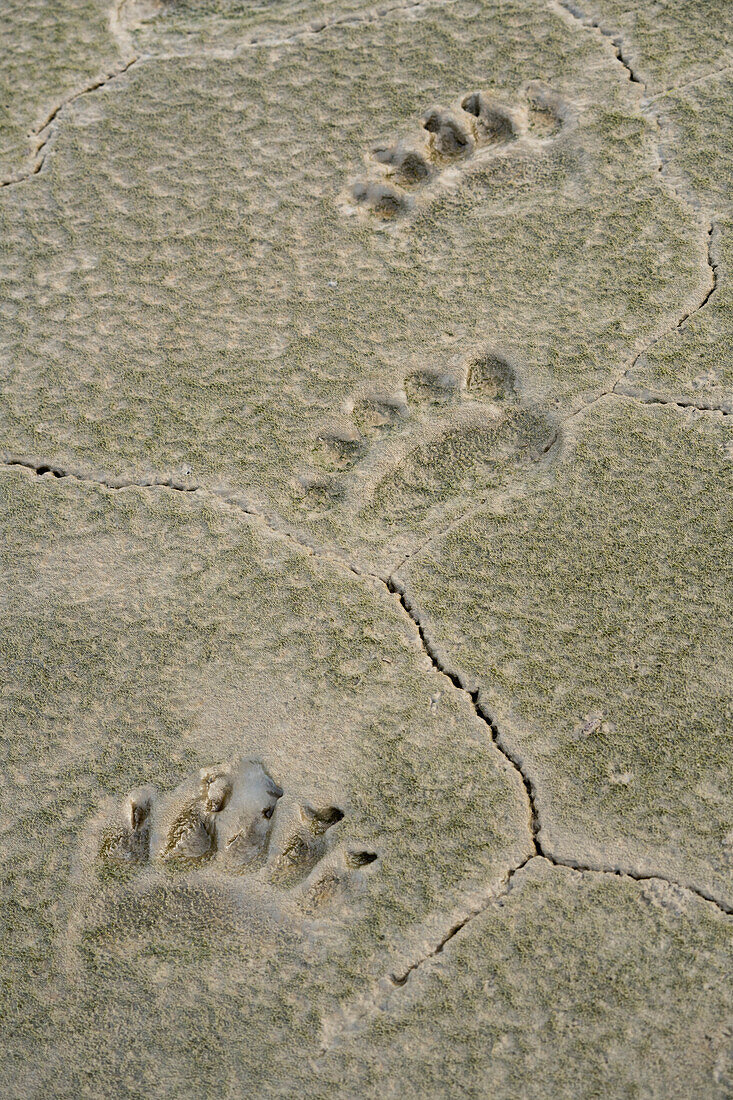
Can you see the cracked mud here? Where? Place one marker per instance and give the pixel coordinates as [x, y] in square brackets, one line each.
[366, 493]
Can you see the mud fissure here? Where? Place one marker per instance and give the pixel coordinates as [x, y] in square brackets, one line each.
[43, 133]
[459, 682]
[681, 403]
[538, 845]
[676, 327]
[220, 497]
[615, 40]
[400, 979]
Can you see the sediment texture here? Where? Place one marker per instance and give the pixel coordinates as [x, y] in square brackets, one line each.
[365, 481]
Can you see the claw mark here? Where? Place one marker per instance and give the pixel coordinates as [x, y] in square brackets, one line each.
[494, 124]
[191, 838]
[448, 138]
[321, 820]
[305, 848]
[216, 788]
[131, 844]
[247, 822]
[360, 859]
[545, 110]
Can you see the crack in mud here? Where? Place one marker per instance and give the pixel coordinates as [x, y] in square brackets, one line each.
[713, 271]
[713, 268]
[301, 33]
[458, 681]
[676, 327]
[217, 496]
[42, 468]
[321, 25]
[403, 977]
[614, 39]
[691, 83]
[681, 403]
[538, 846]
[43, 132]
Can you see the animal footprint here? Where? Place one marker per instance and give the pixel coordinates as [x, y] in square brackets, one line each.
[129, 843]
[224, 821]
[491, 377]
[432, 399]
[546, 112]
[450, 138]
[494, 124]
[382, 199]
[306, 847]
[432, 386]
[409, 167]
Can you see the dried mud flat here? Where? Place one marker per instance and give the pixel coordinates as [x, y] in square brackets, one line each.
[365, 471]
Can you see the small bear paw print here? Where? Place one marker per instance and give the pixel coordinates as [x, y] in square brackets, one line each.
[407, 172]
[430, 397]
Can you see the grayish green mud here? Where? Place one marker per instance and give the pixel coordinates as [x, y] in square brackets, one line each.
[365, 489]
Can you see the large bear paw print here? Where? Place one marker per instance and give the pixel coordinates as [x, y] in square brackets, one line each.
[224, 820]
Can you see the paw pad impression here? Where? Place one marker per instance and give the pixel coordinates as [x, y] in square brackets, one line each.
[449, 139]
[225, 819]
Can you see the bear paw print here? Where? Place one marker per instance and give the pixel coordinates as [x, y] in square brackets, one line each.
[225, 822]
[429, 396]
[450, 138]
